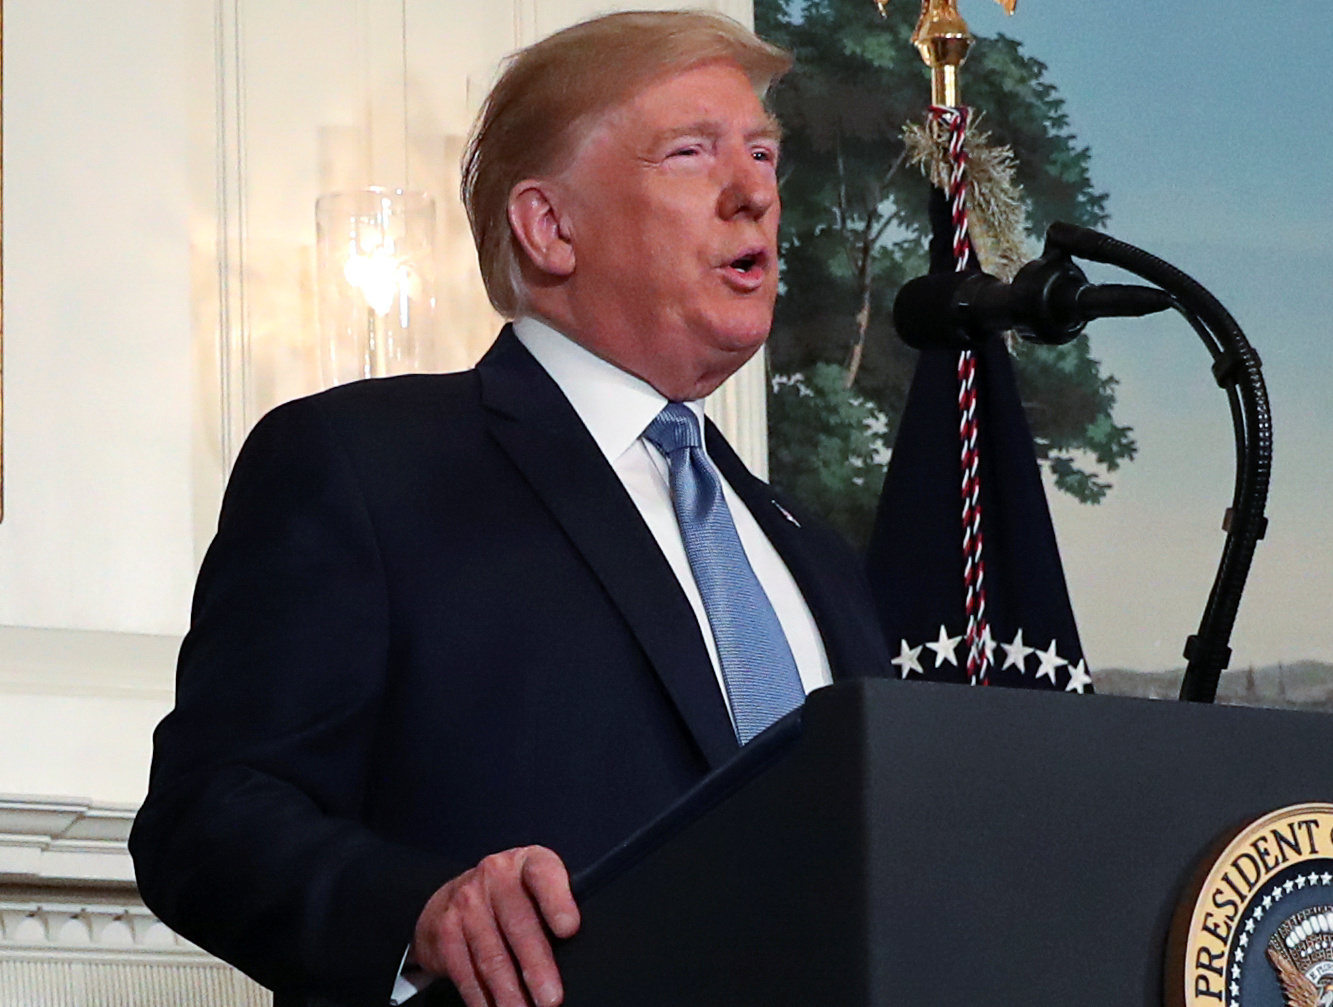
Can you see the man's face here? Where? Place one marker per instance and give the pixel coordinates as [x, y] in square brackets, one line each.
[672, 212]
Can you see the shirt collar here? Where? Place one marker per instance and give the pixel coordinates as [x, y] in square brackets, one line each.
[613, 404]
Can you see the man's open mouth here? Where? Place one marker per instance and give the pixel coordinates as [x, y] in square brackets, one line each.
[748, 269]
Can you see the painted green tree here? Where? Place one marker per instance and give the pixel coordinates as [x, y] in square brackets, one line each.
[855, 228]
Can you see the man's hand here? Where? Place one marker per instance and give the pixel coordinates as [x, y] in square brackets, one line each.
[472, 923]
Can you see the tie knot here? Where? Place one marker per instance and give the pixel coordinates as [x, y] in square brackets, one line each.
[675, 427]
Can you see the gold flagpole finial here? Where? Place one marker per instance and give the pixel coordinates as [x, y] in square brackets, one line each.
[943, 40]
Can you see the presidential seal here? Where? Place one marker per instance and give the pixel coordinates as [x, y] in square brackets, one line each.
[1302, 953]
[1259, 930]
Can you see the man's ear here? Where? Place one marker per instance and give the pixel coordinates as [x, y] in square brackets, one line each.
[539, 229]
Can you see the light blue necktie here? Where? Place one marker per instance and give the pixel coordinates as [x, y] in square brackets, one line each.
[757, 665]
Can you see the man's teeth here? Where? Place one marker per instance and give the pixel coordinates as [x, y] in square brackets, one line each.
[744, 265]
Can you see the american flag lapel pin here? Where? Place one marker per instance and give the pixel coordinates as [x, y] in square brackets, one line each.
[786, 513]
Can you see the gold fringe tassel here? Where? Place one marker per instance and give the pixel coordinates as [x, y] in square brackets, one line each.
[996, 216]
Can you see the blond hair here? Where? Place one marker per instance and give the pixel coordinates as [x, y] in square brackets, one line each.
[549, 93]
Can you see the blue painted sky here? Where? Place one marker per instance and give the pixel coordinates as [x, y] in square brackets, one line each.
[1208, 127]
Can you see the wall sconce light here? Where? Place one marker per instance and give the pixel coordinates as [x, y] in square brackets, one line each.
[376, 278]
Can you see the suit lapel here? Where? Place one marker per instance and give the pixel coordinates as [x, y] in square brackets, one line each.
[542, 434]
[833, 592]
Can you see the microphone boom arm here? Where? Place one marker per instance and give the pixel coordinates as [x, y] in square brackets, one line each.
[1237, 369]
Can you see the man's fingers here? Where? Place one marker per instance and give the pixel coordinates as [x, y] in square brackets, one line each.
[522, 929]
[547, 881]
[485, 928]
[436, 929]
[491, 960]
[457, 960]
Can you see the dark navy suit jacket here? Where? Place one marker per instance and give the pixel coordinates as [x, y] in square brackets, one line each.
[432, 626]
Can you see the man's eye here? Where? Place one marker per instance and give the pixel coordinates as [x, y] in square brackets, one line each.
[685, 152]
[764, 154]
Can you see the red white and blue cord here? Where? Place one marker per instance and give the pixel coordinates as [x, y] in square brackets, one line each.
[955, 120]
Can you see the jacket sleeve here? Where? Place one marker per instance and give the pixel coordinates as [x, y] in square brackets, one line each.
[250, 842]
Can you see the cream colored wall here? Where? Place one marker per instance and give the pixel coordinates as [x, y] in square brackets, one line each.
[162, 159]
[97, 532]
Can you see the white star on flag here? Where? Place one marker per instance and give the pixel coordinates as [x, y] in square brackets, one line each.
[944, 648]
[1325, 878]
[1078, 678]
[1016, 653]
[1049, 662]
[908, 659]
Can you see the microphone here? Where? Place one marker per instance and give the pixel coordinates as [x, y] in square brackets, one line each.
[1048, 302]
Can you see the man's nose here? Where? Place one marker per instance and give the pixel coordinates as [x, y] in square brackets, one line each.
[751, 187]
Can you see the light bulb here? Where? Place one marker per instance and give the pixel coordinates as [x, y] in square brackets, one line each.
[378, 276]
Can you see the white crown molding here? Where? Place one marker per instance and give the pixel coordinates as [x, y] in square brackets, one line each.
[64, 840]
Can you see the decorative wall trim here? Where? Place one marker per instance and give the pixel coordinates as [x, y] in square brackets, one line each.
[231, 184]
[69, 947]
[72, 927]
[740, 410]
[61, 981]
[75, 662]
[525, 23]
[86, 931]
[64, 840]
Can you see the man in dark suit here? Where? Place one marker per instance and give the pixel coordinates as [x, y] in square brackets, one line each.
[459, 634]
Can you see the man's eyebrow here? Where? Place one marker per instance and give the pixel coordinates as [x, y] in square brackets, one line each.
[703, 127]
[770, 130]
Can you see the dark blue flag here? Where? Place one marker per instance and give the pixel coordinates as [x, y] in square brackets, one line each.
[915, 558]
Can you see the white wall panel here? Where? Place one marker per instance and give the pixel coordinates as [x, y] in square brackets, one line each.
[98, 377]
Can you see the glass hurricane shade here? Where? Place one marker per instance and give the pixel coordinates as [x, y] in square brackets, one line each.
[376, 279]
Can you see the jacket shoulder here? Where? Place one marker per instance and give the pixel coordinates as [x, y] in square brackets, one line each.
[399, 397]
[377, 410]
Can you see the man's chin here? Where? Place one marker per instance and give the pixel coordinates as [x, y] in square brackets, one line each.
[729, 359]
[698, 375]
[741, 333]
